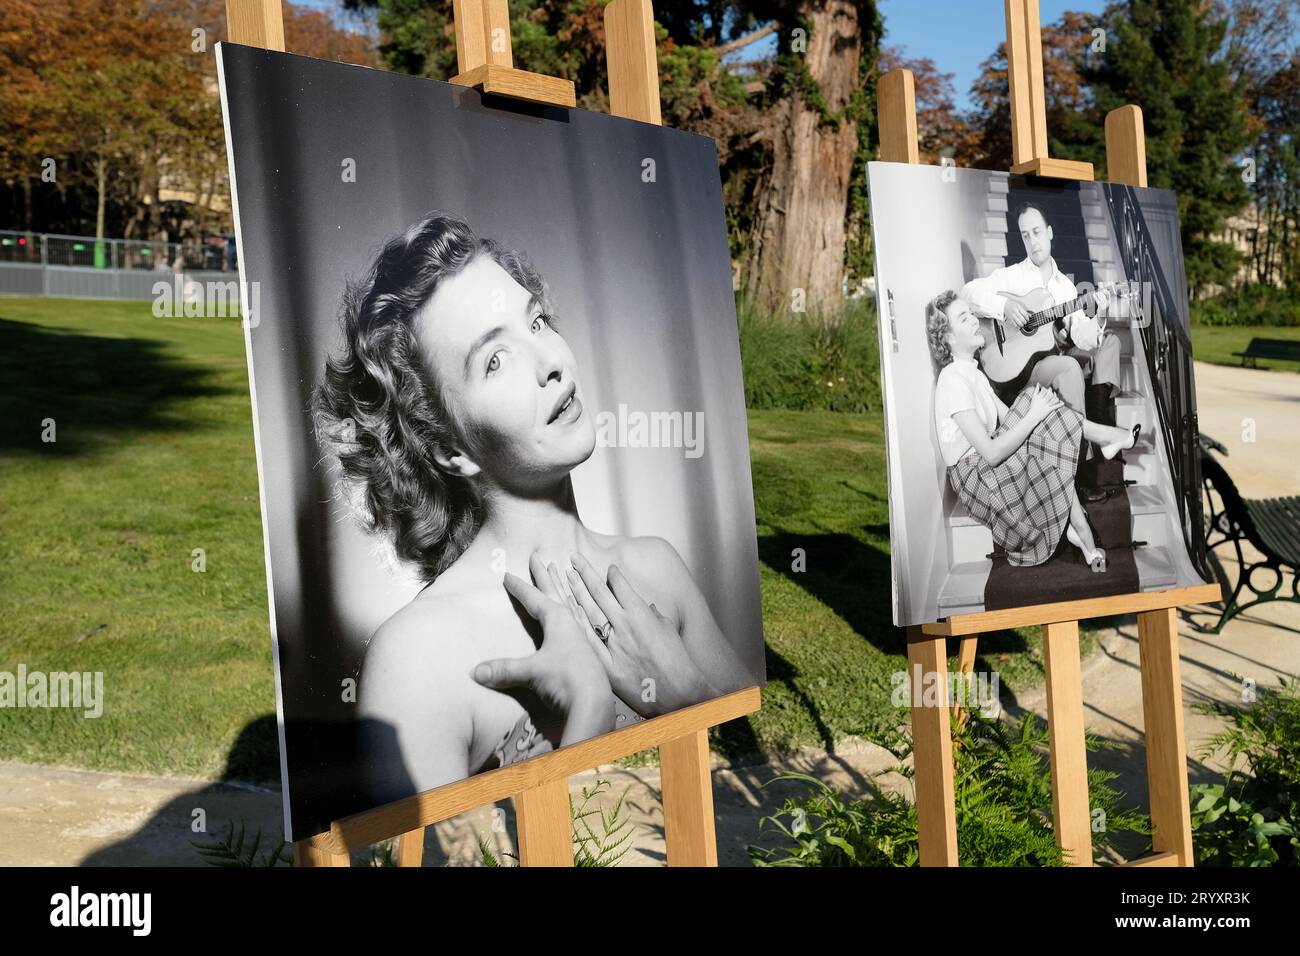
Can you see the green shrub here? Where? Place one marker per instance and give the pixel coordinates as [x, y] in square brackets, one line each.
[810, 361]
[1253, 817]
[1003, 800]
[1250, 305]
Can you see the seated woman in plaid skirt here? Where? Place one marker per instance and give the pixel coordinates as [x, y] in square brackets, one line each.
[1013, 467]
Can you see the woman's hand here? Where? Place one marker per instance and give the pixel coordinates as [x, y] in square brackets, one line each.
[565, 671]
[1042, 402]
[644, 655]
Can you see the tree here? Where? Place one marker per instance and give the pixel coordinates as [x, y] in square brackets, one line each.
[820, 132]
[1263, 52]
[123, 96]
[1277, 186]
[1168, 57]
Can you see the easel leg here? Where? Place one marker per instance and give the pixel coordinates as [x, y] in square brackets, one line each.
[688, 801]
[1162, 712]
[965, 667]
[305, 854]
[1069, 757]
[545, 825]
[936, 816]
[410, 848]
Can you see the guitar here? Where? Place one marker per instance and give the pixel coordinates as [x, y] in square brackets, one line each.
[1009, 353]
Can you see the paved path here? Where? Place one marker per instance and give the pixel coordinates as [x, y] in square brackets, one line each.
[59, 817]
[1256, 414]
[53, 816]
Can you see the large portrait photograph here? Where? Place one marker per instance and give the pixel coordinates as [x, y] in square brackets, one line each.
[1039, 400]
[500, 425]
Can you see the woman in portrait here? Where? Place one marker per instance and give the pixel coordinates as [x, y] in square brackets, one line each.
[456, 415]
[1012, 466]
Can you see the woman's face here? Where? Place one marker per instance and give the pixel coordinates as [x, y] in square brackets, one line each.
[506, 376]
[963, 328]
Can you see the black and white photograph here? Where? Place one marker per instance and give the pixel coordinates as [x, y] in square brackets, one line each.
[1040, 407]
[500, 425]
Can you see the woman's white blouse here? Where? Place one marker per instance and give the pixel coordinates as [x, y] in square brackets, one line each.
[961, 386]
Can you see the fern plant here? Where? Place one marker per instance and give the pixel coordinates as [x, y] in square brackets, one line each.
[611, 844]
[602, 836]
[232, 851]
[1003, 801]
[491, 859]
[1253, 817]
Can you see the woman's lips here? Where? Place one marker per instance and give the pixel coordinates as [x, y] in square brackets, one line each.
[571, 413]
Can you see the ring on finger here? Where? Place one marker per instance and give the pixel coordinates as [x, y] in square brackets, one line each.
[604, 631]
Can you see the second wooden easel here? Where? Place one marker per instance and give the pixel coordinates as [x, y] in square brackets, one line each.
[539, 786]
[1162, 705]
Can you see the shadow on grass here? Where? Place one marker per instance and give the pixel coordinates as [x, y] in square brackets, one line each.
[851, 577]
[844, 573]
[96, 389]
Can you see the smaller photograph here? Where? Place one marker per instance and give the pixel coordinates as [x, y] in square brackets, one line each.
[1037, 372]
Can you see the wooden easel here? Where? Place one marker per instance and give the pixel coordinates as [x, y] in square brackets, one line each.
[1162, 705]
[539, 786]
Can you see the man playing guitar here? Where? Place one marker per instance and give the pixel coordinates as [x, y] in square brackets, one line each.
[1079, 341]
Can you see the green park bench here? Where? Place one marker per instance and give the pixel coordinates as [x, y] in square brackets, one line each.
[1287, 349]
[1270, 525]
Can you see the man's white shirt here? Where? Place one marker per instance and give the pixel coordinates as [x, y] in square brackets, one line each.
[1021, 278]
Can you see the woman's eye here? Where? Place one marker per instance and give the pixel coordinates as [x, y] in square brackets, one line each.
[494, 362]
[539, 322]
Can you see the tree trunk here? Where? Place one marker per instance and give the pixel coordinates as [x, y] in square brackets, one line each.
[101, 184]
[798, 240]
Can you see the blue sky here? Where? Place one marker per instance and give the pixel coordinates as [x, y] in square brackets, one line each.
[959, 35]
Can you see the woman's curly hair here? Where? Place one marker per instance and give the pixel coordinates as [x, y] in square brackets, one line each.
[937, 328]
[378, 408]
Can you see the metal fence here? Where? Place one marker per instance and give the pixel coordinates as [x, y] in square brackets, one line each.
[35, 263]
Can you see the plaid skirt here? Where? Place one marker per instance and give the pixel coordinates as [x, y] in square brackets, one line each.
[1025, 501]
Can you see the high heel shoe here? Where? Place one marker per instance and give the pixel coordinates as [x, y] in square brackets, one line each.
[1128, 441]
[1096, 558]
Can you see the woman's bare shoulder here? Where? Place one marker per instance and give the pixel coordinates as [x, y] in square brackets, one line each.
[648, 559]
[426, 642]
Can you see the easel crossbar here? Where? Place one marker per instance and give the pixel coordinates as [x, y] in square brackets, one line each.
[434, 806]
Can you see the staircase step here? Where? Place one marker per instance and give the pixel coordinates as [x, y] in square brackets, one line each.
[1155, 568]
[1129, 414]
[1141, 462]
[965, 587]
[963, 591]
[1152, 527]
[1145, 500]
[970, 542]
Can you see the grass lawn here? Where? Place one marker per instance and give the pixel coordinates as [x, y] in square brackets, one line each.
[1216, 343]
[154, 458]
